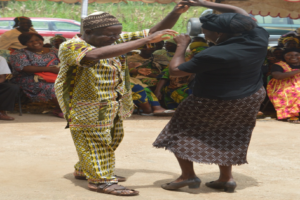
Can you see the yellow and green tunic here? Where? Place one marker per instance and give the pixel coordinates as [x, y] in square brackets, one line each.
[95, 98]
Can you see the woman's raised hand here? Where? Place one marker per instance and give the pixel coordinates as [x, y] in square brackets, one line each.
[194, 2]
[161, 35]
[183, 39]
[181, 8]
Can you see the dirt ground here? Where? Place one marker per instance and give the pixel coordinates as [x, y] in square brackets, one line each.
[37, 156]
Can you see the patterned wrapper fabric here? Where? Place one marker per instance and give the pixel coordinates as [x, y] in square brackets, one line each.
[285, 94]
[95, 98]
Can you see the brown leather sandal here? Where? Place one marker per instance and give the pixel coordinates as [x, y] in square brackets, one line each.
[81, 176]
[113, 189]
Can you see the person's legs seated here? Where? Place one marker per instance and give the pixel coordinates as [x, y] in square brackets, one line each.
[147, 101]
[8, 93]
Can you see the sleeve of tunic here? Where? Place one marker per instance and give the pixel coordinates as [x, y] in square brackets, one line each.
[72, 53]
[18, 60]
[126, 37]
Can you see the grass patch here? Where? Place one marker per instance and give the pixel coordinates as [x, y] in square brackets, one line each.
[134, 15]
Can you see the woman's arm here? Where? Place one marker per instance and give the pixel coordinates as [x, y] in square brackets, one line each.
[34, 69]
[170, 20]
[284, 75]
[183, 42]
[223, 8]
[159, 86]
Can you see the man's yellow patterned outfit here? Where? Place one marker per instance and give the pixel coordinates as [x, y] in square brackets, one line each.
[95, 98]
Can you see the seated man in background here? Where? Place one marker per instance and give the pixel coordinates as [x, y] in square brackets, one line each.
[9, 39]
[8, 92]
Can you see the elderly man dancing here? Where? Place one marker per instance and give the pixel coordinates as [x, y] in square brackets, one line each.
[93, 90]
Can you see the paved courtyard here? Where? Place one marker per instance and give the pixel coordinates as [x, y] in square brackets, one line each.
[37, 157]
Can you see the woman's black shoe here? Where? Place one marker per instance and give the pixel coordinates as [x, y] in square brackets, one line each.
[192, 183]
[226, 186]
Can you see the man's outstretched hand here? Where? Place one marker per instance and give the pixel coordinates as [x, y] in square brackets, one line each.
[161, 35]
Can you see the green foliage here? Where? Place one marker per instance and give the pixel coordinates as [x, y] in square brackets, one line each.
[134, 15]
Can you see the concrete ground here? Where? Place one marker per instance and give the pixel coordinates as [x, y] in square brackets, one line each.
[37, 157]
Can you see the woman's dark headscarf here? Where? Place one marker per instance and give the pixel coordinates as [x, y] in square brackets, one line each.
[228, 23]
[288, 51]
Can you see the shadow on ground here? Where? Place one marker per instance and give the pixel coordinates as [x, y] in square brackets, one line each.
[45, 118]
[243, 181]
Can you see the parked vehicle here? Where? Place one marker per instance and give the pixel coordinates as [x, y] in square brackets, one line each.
[47, 27]
[275, 26]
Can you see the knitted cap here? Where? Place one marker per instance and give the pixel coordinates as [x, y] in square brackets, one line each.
[99, 20]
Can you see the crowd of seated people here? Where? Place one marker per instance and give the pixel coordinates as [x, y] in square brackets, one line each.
[154, 91]
[282, 77]
[34, 67]
[151, 83]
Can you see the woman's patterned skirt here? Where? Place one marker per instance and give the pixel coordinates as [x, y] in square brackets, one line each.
[212, 131]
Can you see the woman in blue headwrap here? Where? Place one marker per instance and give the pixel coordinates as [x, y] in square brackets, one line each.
[214, 125]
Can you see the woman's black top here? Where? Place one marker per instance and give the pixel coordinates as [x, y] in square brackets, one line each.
[278, 68]
[231, 69]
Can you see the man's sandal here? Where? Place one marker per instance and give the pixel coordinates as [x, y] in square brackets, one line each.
[81, 176]
[113, 189]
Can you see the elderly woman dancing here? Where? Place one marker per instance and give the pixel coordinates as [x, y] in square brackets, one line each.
[215, 124]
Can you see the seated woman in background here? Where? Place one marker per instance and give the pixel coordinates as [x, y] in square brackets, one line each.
[290, 42]
[284, 89]
[169, 51]
[35, 58]
[274, 55]
[144, 98]
[57, 40]
[144, 67]
[9, 39]
[173, 90]
[160, 45]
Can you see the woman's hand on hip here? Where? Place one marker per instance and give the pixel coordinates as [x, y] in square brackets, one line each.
[182, 40]
[161, 35]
